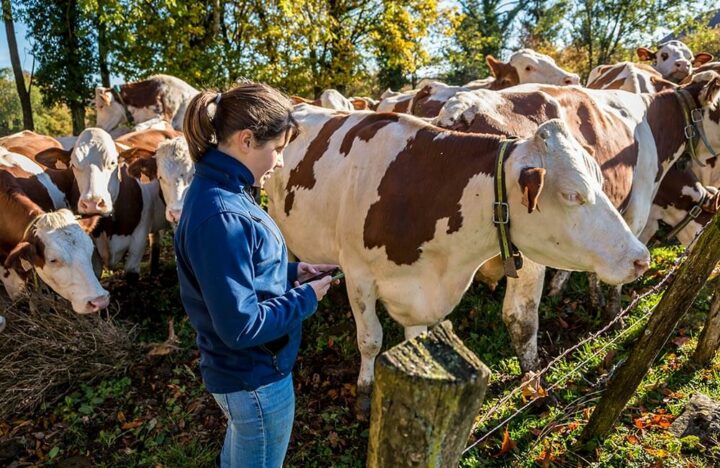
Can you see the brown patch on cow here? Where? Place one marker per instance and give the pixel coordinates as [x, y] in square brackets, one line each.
[671, 193]
[402, 106]
[667, 125]
[366, 129]
[148, 139]
[128, 209]
[608, 75]
[423, 104]
[145, 93]
[19, 207]
[505, 74]
[660, 84]
[303, 175]
[423, 185]
[28, 143]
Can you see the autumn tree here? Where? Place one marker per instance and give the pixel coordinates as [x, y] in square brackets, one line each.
[63, 45]
[20, 85]
[484, 28]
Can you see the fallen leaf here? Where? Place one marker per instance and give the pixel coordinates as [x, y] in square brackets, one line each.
[121, 416]
[632, 440]
[131, 425]
[680, 340]
[507, 444]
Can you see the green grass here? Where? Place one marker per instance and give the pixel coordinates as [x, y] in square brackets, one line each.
[159, 413]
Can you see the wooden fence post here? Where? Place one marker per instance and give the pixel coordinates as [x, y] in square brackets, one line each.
[709, 340]
[427, 393]
[678, 298]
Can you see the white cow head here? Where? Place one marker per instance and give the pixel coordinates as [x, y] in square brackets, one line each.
[332, 99]
[59, 248]
[528, 66]
[562, 217]
[110, 113]
[674, 60]
[94, 162]
[175, 171]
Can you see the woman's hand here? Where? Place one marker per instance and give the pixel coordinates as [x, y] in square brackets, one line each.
[321, 286]
[307, 271]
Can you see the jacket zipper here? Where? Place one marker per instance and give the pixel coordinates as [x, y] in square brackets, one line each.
[276, 365]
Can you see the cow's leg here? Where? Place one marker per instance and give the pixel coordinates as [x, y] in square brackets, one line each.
[558, 282]
[154, 253]
[135, 254]
[369, 336]
[595, 291]
[614, 305]
[520, 312]
[412, 332]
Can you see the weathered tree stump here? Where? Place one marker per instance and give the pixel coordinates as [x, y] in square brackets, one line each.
[427, 393]
[709, 340]
[678, 298]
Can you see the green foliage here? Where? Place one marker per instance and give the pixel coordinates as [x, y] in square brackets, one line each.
[49, 120]
[63, 45]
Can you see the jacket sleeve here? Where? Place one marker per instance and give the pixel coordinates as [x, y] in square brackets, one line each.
[292, 273]
[220, 254]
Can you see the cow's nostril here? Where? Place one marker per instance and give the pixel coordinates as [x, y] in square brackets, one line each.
[641, 266]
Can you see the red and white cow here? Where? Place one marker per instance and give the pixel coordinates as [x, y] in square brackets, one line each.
[160, 96]
[28, 143]
[38, 233]
[406, 209]
[132, 209]
[635, 139]
[524, 66]
[673, 60]
[628, 76]
[331, 99]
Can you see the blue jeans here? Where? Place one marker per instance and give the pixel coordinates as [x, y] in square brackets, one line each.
[259, 425]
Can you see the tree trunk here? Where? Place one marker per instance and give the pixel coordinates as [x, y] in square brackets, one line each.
[710, 337]
[103, 49]
[678, 298]
[427, 393]
[23, 92]
[77, 112]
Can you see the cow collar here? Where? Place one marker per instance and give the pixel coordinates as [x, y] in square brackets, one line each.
[693, 125]
[511, 257]
[702, 205]
[128, 115]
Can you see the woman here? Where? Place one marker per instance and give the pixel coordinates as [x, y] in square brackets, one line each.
[235, 280]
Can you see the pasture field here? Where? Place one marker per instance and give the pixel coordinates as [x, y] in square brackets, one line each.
[158, 414]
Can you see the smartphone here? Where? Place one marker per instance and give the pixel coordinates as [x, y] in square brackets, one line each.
[336, 275]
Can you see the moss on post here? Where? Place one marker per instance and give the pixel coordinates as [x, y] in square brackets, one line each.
[427, 393]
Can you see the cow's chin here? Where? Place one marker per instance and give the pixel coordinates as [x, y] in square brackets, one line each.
[677, 77]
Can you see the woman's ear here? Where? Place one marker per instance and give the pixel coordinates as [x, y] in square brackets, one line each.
[243, 140]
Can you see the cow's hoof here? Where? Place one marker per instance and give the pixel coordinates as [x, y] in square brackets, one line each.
[2, 323]
[131, 277]
[362, 404]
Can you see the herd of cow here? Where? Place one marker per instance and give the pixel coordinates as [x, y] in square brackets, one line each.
[400, 192]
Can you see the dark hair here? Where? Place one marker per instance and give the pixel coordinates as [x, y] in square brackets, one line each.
[211, 117]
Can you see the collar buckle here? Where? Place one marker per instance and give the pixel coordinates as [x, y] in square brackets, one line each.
[695, 211]
[501, 213]
[689, 132]
[696, 115]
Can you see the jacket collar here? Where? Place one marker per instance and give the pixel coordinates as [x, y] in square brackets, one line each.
[225, 170]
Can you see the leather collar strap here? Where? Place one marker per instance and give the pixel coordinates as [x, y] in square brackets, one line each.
[693, 125]
[128, 115]
[511, 257]
[693, 213]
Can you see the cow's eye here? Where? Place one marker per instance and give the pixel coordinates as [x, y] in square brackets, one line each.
[528, 68]
[53, 260]
[664, 56]
[573, 198]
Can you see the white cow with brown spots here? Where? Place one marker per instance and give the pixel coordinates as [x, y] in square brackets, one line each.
[38, 233]
[406, 209]
[673, 60]
[160, 96]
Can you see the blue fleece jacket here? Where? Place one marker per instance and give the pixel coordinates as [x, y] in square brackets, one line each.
[235, 280]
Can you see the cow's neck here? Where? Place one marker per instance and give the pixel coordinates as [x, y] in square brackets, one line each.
[18, 211]
[665, 117]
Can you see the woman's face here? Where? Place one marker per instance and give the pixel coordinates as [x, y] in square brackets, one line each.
[268, 155]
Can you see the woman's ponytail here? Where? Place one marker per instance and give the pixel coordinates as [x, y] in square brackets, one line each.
[198, 125]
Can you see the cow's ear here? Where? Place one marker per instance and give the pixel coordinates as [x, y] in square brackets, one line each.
[22, 258]
[141, 163]
[531, 183]
[496, 66]
[54, 158]
[359, 104]
[89, 223]
[702, 58]
[645, 54]
[103, 95]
